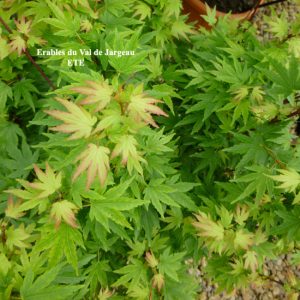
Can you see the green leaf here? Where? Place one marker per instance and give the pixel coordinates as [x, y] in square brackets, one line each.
[62, 241]
[68, 23]
[290, 225]
[210, 102]
[252, 148]
[289, 179]
[111, 204]
[127, 64]
[158, 194]
[16, 237]
[5, 93]
[286, 79]
[181, 29]
[279, 26]
[20, 161]
[132, 274]
[225, 215]
[23, 91]
[4, 50]
[97, 274]
[170, 264]
[258, 180]
[44, 288]
[142, 10]
[210, 16]
[208, 228]
[232, 71]
[166, 92]
[5, 265]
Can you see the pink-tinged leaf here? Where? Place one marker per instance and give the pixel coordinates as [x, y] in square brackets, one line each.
[126, 147]
[23, 26]
[109, 119]
[39, 173]
[47, 182]
[64, 210]
[91, 174]
[13, 209]
[83, 165]
[77, 121]
[16, 237]
[95, 160]
[36, 193]
[98, 92]
[141, 107]
[17, 44]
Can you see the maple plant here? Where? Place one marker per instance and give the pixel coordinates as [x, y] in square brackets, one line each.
[238, 125]
[114, 173]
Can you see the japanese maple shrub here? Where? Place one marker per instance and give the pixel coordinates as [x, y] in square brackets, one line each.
[92, 203]
[239, 136]
[114, 173]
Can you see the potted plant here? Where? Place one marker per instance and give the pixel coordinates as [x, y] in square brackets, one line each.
[240, 9]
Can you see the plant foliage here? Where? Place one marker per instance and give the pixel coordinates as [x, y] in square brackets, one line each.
[114, 173]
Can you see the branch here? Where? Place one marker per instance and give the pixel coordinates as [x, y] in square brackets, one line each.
[51, 84]
[294, 113]
[271, 3]
[254, 10]
[274, 156]
[271, 279]
[3, 234]
[290, 115]
[30, 58]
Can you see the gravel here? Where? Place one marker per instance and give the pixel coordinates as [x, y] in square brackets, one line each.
[271, 286]
[289, 7]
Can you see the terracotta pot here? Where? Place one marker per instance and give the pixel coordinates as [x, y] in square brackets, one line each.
[196, 8]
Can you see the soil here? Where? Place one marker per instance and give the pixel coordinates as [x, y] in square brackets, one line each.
[234, 6]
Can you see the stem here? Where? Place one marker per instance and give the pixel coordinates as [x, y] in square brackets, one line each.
[80, 39]
[3, 234]
[151, 290]
[271, 279]
[278, 282]
[150, 294]
[294, 113]
[30, 58]
[116, 97]
[290, 115]
[129, 78]
[255, 8]
[39, 69]
[289, 36]
[5, 25]
[273, 155]
[271, 3]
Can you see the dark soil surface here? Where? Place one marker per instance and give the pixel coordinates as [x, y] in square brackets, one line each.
[234, 6]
